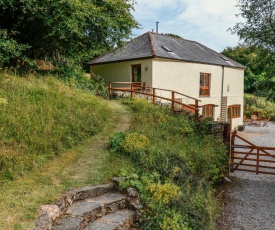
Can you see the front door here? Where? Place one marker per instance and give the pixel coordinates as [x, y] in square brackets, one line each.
[136, 73]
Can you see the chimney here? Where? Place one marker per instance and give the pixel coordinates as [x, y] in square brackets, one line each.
[157, 27]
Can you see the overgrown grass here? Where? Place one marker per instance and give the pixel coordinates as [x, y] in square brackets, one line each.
[259, 106]
[176, 168]
[34, 171]
[41, 118]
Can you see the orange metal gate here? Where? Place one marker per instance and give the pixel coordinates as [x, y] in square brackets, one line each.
[251, 158]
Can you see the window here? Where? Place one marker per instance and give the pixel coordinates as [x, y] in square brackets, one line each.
[205, 84]
[136, 73]
[234, 111]
[208, 110]
[166, 48]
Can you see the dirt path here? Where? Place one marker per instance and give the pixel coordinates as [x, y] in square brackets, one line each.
[250, 199]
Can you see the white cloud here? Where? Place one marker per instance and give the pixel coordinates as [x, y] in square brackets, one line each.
[205, 21]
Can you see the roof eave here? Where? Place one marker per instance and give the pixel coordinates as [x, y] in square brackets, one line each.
[207, 63]
[123, 60]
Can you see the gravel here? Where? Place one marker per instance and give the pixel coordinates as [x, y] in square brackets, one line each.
[249, 199]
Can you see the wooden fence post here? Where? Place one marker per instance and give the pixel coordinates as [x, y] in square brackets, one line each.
[132, 90]
[258, 161]
[232, 151]
[110, 90]
[154, 95]
[196, 111]
[173, 101]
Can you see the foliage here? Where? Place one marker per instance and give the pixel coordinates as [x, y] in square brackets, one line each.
[176, 167]
[259, 62]
[70, 72]
[135, 142]
[78, 29]
[259, 106]
[173, 35]
[258, 30]
[260, 72]
[10, 50]
[40, 118]
[259, 25]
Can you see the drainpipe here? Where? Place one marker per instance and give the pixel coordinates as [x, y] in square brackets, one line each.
[222, 91]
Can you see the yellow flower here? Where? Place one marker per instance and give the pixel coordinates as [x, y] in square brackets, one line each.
[3, 101]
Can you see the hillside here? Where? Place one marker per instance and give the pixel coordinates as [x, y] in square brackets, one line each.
[53, 139]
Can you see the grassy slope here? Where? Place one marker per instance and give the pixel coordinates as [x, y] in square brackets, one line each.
[169, 153]
[41, 113]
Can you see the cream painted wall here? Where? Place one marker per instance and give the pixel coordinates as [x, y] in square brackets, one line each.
[185, 78]
[234, 90]
[121, 71]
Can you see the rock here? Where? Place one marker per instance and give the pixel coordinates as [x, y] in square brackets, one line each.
[117, 180]
[227, 179]
[47, 215]
[132, 192]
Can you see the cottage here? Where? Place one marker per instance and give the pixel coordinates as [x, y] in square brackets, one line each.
[185, 66]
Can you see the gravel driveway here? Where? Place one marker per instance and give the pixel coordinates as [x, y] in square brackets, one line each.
[249, 200]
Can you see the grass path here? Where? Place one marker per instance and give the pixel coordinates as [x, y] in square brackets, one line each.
[88, 164]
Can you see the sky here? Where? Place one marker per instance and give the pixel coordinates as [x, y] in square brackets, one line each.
[204, 21]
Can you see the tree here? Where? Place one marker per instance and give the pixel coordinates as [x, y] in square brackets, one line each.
[79, 29]
[259, 25]
[258, 61]
[9, 49]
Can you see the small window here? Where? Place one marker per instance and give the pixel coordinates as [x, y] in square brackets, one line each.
[224, 58]
[205, 84]
[235, 111]
[208, 110]
[166, 48]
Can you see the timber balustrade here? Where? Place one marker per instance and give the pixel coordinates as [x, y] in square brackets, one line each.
[172, 97]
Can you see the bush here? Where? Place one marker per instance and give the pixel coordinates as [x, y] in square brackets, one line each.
[71, 72]
[10, 50]
[259, 106]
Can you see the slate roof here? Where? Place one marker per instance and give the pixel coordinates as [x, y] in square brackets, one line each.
[153, 45]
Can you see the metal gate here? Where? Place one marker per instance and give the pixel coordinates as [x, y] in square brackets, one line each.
[249, 157]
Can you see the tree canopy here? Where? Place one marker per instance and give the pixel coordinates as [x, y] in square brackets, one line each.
[67, 28]
[259, 63]
[259, 75]
[259, 25]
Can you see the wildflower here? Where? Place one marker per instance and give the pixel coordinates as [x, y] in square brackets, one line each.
[3, 101]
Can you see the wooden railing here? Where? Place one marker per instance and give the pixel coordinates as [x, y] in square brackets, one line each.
[172, 97]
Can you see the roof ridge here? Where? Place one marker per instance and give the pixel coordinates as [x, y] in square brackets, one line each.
[166, 35]
[152, 44]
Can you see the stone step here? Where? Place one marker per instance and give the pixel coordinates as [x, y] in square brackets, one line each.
[122, 220]
[82, 194]
[84, 211]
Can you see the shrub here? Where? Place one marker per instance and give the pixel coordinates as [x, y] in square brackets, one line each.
[135, 142]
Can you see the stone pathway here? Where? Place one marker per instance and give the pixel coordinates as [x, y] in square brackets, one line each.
[249, 201]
